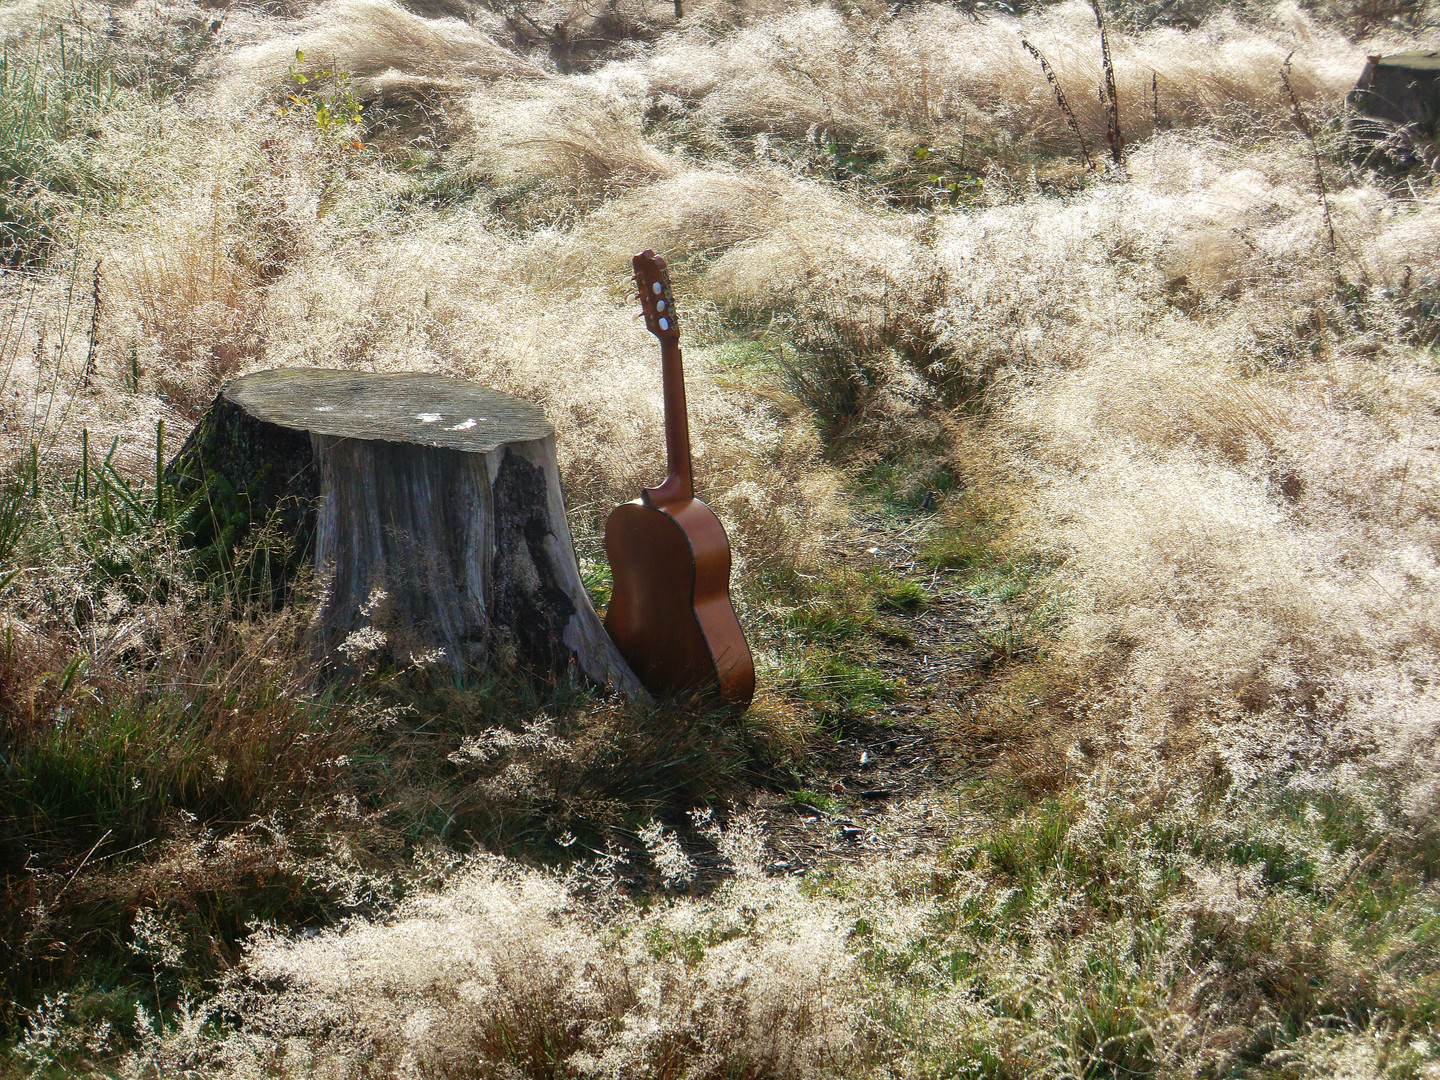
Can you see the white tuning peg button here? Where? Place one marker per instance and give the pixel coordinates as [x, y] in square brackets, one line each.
[660, 305]
[656, 286]
[664, 324]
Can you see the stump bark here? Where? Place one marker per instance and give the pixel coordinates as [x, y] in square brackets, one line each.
[430, 508]
[1396, 105]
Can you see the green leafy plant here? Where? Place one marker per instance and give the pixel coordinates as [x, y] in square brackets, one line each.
[598, 582]
[326, 96]
[944, 179]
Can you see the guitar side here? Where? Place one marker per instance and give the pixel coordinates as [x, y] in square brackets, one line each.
[670, 613]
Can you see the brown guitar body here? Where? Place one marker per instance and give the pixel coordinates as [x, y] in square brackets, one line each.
[670, 613]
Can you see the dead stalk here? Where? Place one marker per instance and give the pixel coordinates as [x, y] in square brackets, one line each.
[1113, 138]
[1154, 116]
[1060, 100]
[92, 344]
[1303, 123]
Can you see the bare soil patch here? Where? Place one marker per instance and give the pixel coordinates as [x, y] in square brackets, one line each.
[887, 784]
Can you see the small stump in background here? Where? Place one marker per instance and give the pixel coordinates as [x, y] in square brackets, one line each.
[430, 507]
[1397, 106]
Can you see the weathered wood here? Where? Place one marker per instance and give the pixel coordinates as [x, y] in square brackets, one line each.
[430, 508]
[1395, 108]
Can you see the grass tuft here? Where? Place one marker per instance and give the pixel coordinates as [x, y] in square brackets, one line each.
[55, 87]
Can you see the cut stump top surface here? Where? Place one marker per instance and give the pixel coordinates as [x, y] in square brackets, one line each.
[425, 410]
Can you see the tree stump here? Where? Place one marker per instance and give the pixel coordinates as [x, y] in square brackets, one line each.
[1397, 105]
[430, 508]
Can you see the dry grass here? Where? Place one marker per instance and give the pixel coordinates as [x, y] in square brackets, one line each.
[1215, 505]
[524, 984]
[195, 305]
[382, 41]
[137, 716]
[1216, 437]
[578, 133]
[933, 73]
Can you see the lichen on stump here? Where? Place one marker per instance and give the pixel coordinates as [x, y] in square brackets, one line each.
[236, 472]
[429, 507]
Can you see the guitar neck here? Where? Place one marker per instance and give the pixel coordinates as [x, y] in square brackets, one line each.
[678, 485]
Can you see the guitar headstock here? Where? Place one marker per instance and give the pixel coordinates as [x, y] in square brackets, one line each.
[655, 298]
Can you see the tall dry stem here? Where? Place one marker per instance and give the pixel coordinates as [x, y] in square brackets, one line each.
[1113, 138]
[1303, 123]
[1062, 101]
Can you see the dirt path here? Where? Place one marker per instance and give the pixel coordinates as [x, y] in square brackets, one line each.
[888, 782]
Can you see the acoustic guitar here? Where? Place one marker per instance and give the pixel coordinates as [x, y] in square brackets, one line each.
[670, 613]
